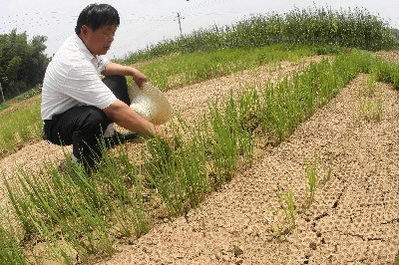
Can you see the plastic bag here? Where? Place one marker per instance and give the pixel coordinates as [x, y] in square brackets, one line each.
[149, 103]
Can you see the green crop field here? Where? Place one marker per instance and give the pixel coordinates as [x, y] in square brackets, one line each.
[73, 212]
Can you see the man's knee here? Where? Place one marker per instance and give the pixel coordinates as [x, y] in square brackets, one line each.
[115, 81]
[96, 120]
[118, 85]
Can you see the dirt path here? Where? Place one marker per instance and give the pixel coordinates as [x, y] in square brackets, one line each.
[189, 101]
[353, 220]
[391, 56]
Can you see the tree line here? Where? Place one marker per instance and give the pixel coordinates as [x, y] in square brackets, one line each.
[22, 62]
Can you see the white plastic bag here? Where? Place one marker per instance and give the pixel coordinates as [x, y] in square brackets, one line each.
[150, 103]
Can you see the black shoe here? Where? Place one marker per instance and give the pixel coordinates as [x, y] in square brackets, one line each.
[119, 138]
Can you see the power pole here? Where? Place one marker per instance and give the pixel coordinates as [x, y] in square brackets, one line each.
[179, 21]
[2, 95]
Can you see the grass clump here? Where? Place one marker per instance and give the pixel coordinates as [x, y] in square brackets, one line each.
[311, 175]
[85, 211]
[28, 94]
[231, 134]
[179, 173]
[372, 109]
[294, 100]
[371, 106]
[288, 208]
[10, 251]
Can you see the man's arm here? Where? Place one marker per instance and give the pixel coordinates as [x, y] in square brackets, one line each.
[118, 69]
[124, 116]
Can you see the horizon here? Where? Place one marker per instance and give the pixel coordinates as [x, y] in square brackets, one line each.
[160, 22]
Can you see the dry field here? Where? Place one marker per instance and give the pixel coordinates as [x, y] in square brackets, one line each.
[351, 144]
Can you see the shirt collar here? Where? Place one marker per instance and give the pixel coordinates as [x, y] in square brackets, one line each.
[82, 47]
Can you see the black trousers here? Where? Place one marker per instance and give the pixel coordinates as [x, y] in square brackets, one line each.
[84, 126]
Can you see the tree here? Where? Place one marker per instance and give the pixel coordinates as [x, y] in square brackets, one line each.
[22, 62]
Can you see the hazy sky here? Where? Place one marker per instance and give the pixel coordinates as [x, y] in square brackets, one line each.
[147, 22]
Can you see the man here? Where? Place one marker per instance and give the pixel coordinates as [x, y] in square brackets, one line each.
[77, 106]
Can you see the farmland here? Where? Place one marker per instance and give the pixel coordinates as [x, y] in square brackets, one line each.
[282, 153]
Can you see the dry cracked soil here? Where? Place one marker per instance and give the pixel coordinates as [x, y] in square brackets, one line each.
[353, 218]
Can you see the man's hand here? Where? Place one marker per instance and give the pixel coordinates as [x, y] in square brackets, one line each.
[118, 69]
[139, 77]
[124, 116]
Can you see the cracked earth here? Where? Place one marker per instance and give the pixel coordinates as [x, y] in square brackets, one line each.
[353, 219]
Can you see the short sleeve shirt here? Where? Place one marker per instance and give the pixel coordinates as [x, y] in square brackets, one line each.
[73, 79]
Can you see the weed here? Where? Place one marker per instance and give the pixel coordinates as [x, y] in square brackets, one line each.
[372, 109]
[313, 181]
[287, 205]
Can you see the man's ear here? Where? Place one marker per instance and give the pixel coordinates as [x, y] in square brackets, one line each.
[84, 30]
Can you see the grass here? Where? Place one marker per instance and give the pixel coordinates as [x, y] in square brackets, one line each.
[313, 181]
[10, 251]
[186, 69]
[19, 127]
[371, 107]
[24, 124]
[354, 28]
[28, 94]
[73, 213]
[4, 106]
[288, 207]
[84, 211]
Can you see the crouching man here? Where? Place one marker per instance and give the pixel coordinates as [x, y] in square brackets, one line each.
[77, 106]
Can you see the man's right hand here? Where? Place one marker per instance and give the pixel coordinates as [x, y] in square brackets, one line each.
[123, 115]
[139, 78]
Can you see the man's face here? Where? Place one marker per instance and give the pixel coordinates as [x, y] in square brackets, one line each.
[99, 41]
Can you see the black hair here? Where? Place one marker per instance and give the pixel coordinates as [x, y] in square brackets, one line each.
[96, 15]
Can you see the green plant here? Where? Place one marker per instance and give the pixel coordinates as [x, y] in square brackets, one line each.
[86, 212]
[372, 109]
[313, 181]
[287, 205]
[10, 250]
[230, 137]
[179, 173]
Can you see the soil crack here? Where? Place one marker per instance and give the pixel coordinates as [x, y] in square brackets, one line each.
[363, 237]
[391, 221]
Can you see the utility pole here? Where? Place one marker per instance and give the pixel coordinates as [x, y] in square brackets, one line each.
[2, 95]
[178, 21]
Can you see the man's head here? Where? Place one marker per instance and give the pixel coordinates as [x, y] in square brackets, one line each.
[96, 27]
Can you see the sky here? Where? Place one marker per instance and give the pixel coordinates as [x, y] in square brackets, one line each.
[146, 22]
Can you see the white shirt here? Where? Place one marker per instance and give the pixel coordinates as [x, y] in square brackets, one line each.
[72, 79]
